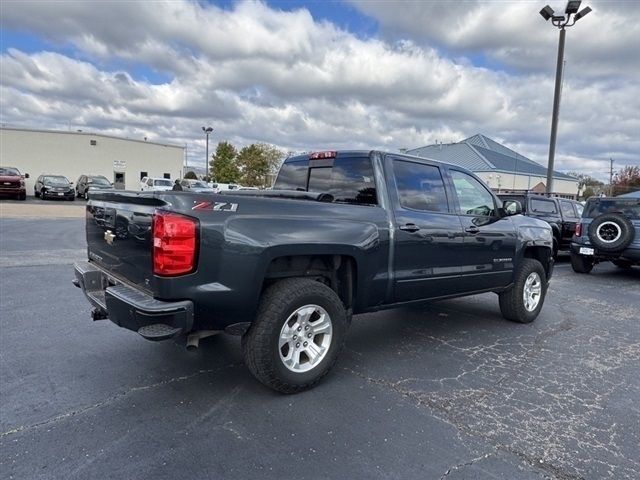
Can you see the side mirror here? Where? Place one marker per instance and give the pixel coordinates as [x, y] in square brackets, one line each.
[26, 175]
[512, 207]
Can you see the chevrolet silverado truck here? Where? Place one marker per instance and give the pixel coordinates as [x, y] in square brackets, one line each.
[341, 233]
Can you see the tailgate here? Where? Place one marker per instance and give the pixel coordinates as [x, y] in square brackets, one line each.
[119, 234]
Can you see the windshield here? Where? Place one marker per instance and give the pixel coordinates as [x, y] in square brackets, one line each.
[99, 181]
[55, 180]
[162, 183]
[9, 172]
[199, 184]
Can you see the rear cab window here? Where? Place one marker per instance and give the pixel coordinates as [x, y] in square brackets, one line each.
[628, 208]
[348, 179]
[541, 205]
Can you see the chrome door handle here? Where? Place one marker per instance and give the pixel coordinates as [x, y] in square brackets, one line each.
[472, 229]
[410, 227]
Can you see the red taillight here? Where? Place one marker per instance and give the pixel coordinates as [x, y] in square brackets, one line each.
[578, 229]
[318, 155]
[175, 244]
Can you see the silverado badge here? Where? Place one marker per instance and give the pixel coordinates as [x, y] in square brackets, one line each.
[108, 237]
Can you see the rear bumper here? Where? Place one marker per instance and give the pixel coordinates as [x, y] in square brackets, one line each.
[632, 254]
[132, 308]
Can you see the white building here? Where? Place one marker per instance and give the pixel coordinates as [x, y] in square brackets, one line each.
[500, 167]
[123, 161]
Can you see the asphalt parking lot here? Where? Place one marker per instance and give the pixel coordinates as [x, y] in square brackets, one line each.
[450, 390]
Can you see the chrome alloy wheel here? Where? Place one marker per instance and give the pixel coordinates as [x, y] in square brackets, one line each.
[609, 232]
[532, 291]
[305, 338]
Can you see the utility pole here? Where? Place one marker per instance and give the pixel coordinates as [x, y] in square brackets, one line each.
[611, 177]
[561, 22]
[207, 131]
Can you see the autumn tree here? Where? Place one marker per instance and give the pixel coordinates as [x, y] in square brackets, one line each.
[224, 166]
[626, 180]
[258, 162]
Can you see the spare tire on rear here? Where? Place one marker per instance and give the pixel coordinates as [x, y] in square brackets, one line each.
[611, 232]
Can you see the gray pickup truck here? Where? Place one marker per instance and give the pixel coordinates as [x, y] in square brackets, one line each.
[341, 233]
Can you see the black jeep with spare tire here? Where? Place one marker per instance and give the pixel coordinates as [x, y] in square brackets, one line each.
[609, 230]
[341, 233]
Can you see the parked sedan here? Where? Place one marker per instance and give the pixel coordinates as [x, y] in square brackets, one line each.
[91, 182]
[54, 186]
[157, 184]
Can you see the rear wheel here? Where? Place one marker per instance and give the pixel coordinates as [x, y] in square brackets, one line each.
[581, 263]
[43, 195]
[297, 335]
[23, 196]
[522, 302]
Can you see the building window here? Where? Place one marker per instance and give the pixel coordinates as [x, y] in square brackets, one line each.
[93, 142]
[167, 175]
[143, 174]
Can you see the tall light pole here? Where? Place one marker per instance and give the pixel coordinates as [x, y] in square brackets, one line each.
[562, 23]
[207, 131]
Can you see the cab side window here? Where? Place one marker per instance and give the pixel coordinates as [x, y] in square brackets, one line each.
[473, 196]
[420, 186]
[567, 209]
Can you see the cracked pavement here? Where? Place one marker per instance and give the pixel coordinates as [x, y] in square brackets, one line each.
[448, 390]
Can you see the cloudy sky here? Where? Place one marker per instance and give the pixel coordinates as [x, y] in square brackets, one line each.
[319, 74]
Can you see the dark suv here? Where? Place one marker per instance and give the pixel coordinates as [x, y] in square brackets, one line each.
[560, 213]
[54, 186]
[93, 182]
[609, 230]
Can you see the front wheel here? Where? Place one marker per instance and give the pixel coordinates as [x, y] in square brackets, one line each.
[581, 263]
[297, 335]
[523, 301]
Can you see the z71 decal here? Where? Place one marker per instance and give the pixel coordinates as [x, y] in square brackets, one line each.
[216, 206]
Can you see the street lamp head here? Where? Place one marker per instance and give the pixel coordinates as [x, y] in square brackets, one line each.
[581, 13]
[207, 129]
[572, 6]
[547, 12]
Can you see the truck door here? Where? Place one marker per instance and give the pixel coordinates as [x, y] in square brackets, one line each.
[487, 259]
[428, 233]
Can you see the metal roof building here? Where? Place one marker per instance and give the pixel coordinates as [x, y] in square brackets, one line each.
[500, 167]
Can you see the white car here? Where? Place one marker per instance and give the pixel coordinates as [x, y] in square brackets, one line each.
[157, 184]
[223, 187]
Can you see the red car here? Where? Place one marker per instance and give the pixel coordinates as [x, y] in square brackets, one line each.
[12, 183]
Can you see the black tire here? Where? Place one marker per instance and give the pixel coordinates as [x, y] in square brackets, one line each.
[611, 232]
[36, 193]
[556, 247]
[260, 346]
[512, 303]
[581, 263]
[43, 195]
[78, 194]
[625, 264]
[23, 196]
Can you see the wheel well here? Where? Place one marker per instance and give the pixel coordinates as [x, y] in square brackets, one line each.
[541, 254]
[336, 271]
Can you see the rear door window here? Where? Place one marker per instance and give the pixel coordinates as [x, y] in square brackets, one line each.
[420, 186]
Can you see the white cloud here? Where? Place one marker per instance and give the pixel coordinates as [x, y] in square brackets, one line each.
[260, 74]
